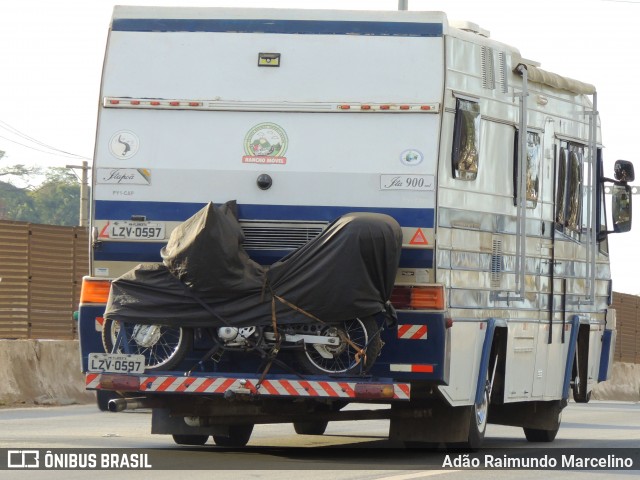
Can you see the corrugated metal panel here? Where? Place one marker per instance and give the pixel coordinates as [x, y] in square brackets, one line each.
[628, 325]
[14, 279]
[41, 268]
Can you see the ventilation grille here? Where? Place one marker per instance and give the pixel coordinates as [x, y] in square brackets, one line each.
[274, 235]
[496, 263]
[488, 70]
[502, 65]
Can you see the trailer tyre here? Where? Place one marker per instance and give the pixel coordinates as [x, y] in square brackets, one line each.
[163, 347]
[190, 439]
[238, 436]
[310, 428]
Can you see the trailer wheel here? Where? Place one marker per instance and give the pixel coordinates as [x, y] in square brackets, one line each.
[310, 428]
[163, 347]
[238, 436]
[343, 358]
[190, 439]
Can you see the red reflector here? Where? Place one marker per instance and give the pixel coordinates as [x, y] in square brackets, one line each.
[422, 368]
[114, 102]
[155, 103]
[384, 107]
[194, 104]
[425, 107]
[174, 104]
[365, 107]
[135, 102]
[123, 383]
[344, 107]
[448, 322]
[373, 390]
[404, 107]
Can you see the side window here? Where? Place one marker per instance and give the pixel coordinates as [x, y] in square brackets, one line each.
[562, 175]
[574, 191]
[533, 168]
[569, 188]
[466, 140]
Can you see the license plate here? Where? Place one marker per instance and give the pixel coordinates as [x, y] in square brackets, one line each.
[125, 229]
[116, 363]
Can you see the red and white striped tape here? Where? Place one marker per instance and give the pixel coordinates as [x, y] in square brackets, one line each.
[219, 385]
[412, 332]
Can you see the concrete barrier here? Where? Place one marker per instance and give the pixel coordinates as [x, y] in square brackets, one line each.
[41, 372]
[47, 372]
[624, 384]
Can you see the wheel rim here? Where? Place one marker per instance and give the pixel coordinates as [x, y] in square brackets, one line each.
[157, 343]
[342, 356]
[481, 412]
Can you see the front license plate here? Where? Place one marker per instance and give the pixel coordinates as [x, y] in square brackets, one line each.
[116, 363]
[128, 230]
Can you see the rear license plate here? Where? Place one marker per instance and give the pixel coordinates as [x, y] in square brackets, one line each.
[116, 363]
[128, 230]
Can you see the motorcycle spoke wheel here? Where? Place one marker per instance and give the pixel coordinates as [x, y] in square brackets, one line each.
[163, 347]
[343, 358]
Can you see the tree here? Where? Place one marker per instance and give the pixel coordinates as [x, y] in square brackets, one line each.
[16, 204]
[56, 201]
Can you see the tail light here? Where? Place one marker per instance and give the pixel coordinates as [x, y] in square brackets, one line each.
[430, 297]
[94, 290]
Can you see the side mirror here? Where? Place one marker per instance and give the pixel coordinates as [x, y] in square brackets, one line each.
[623, 171]
[621, 205]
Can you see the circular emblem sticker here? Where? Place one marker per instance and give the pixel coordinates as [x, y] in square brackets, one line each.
[124, 144]
[265, 143]
[411, 157]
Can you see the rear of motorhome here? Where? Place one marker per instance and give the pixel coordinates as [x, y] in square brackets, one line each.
[491, 166]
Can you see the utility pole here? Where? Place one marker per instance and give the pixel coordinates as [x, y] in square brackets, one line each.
[84, 193]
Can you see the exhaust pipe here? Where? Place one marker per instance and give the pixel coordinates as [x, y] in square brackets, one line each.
[122, 404]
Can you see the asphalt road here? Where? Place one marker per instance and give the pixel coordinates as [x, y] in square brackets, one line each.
[348, 450]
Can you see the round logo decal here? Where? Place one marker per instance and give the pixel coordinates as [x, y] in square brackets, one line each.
[266, 140]
[411, 157]
[124, 144]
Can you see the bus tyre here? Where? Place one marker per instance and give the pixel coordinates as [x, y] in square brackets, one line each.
[310, 428]
[238, 436]
[537, 435]
[190, 439]
[580, 394]
[540, 435]
[478, 421]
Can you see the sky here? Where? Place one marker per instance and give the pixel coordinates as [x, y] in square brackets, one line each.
[51, 55]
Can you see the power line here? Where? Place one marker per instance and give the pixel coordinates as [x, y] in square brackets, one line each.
[53, 150]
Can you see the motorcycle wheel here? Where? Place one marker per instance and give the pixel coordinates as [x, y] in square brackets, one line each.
[163, 347]
[341, 358]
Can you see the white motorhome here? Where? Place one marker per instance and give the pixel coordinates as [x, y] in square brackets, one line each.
[492, 166]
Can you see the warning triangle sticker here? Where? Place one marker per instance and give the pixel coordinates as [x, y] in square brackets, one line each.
[419, 238]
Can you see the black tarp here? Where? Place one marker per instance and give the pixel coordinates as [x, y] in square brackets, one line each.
[348, 271]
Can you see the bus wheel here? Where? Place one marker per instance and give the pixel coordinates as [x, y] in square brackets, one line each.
[190, 439]
[540, 435]
[478, 423]
[238, 436]
[310, 428]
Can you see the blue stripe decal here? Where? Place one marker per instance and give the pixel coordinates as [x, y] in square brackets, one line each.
[305, 27]
[143, 252]
[178, 212]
